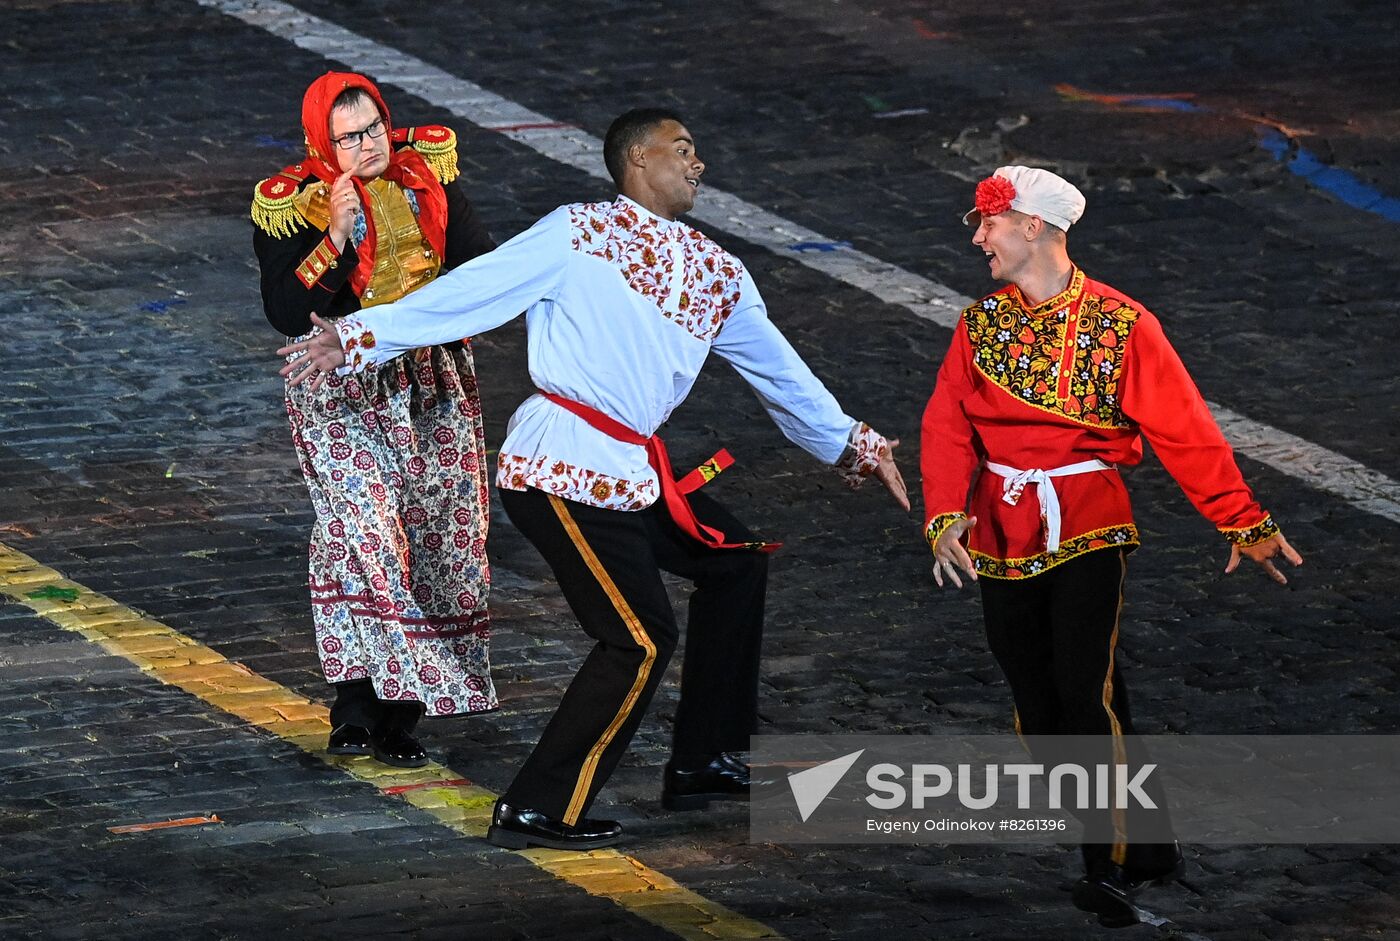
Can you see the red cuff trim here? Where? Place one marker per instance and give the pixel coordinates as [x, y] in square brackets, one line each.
[323, 258]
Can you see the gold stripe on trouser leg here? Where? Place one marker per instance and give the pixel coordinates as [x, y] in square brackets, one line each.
[1016, 724]
[1120, 752]
[634, 627]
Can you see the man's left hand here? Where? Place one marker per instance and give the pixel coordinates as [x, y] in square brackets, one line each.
[1264, 553]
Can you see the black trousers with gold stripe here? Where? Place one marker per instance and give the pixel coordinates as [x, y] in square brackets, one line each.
[608, 564]
[1055, 636]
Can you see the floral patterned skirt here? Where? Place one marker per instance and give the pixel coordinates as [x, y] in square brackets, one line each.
[394, 458]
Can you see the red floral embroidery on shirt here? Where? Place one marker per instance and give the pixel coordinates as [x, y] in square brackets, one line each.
[515, 472]
[644, 251]
[862, 455]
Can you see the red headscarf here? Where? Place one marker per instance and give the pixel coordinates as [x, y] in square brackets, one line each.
[406, 167]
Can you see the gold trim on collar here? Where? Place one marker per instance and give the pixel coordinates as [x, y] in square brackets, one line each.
[1053, 305]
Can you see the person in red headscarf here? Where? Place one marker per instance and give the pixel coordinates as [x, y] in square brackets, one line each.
[393, 458]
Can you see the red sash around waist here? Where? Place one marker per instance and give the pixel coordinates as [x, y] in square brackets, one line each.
[673, 491]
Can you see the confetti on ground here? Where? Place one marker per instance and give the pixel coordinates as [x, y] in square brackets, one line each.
[1166, 101]
[928, 32]
[166, 824]
[55, 593]
[401, 788]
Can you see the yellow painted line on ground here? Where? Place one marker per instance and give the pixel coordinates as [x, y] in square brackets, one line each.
[180, 661]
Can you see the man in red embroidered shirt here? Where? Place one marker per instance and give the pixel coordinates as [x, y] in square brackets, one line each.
[1049, 384]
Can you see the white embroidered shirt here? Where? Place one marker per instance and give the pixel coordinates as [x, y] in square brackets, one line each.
[622, 307]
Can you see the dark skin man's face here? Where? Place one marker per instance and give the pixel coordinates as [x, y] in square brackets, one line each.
[669, 177]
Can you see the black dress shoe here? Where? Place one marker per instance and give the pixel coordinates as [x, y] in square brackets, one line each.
[1138, 877]
[396, 747]
[1105, 892]
[518, 827]
[724, 778]
[349, 740]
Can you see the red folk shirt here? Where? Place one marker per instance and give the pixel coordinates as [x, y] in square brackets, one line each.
[1083, 376]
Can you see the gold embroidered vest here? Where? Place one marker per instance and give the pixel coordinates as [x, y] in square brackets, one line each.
[404, 260]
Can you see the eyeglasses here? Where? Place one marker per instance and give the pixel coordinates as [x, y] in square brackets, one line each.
[355, 138]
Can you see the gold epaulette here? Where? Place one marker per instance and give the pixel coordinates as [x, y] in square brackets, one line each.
[314, 203]
[275, 208]
[437, 145]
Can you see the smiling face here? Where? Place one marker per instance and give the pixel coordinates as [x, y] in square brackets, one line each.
[667, 170]
[371, 157]
[1007, 238]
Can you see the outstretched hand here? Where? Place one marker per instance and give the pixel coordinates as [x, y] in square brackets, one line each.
[1264, 553]
[949, 554]
[888, 474]
[314, 359]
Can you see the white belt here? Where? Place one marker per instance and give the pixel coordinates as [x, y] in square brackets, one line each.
[1015, 481]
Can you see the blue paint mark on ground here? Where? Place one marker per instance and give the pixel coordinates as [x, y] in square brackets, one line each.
[1170, 104]
[818, 246]
[267, 140]
[160, 307]
[1339, 183]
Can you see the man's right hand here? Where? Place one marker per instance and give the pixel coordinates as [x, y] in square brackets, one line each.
[345, 206]
[949, 554]
[317, 357]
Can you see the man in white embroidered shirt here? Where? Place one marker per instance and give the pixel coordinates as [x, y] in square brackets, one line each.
[623, 304]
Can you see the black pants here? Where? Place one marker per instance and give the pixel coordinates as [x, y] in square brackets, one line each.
[1055, 636]
[608, 564]
[356, 704]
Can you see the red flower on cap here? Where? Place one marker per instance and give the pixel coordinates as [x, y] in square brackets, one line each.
[994, 195]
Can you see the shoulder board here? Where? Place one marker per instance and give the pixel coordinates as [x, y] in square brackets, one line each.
[275, 208]
[437, 145]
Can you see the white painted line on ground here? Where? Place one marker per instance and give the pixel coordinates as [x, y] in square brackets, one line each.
[1366, 489]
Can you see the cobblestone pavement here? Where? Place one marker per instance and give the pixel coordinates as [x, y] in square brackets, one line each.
[144, 453]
